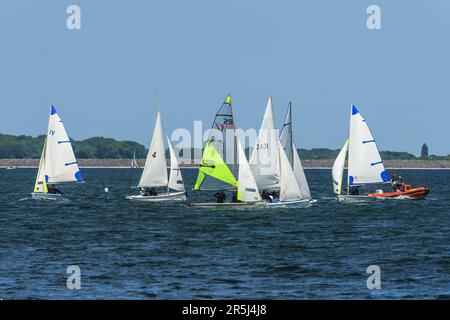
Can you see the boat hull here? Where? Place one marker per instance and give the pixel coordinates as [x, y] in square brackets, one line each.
[352, 198]
[294, 203]
[167, 196]
[47, 196]
[416, 193]
[226, 204]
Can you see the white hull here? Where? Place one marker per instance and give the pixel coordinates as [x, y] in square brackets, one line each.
[294, 203]
[47, 196]
[166, 196]
[225, 204]
[353, 198]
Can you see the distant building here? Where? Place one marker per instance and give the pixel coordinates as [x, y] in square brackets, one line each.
[424, 151]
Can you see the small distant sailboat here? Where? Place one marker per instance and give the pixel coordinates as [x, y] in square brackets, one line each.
[134, 164]
[11, 168]
[214, 167]
[58, 164]
[155, 172]
[365, 165]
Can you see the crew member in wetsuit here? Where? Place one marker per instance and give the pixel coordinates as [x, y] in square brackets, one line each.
[265, 195]
[152, 192]
[354, 190]
[53, 190]
[274, 194]
[220, 196]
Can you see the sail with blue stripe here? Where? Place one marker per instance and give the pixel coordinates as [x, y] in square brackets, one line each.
[364, 161]
[61, 165]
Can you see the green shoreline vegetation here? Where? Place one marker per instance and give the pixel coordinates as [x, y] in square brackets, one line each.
[27, 147]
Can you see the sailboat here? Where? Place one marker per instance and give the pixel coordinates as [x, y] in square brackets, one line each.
[155, 172]
[365, 166]
[57, 164]
[214, 168]
[134, 164]
[276, 164]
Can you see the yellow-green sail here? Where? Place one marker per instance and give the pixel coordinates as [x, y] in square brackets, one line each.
[213, 165]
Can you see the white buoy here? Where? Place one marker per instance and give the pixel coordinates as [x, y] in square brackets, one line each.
[106, 190]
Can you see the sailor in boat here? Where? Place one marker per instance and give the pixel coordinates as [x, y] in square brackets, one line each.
[234, 197]
[354, 190]
[53, 190]
[265, 196]
[220, 196]
[397, 183]
[148, 192]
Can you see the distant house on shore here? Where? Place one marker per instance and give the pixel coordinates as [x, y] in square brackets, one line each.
[424, 151]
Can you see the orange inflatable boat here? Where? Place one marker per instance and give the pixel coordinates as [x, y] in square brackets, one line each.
[407, 193]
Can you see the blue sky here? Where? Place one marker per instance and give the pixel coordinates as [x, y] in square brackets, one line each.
[319, 54]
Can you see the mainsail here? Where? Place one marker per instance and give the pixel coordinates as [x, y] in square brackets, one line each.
[155, 170]
[364, 160]
[264, 158]
[175, 178]
[220, 150]
[338, 169]
[60, 165]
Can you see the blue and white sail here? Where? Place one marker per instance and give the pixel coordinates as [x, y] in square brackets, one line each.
[364, 161]
[60, 165]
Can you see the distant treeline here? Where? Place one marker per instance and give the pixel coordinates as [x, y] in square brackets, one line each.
[27, 147]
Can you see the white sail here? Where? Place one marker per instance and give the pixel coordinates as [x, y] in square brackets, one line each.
[300, 174]
[264, 158]
[40, 186]
[175, 178]
[155, 170]
[60, 163]
[286, 136]
[364, 161]
[289, 188]
[247, 188]
[292, 154]
[338, 169]
[134, 164]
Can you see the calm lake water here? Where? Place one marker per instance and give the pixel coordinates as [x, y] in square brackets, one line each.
[133, 250]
